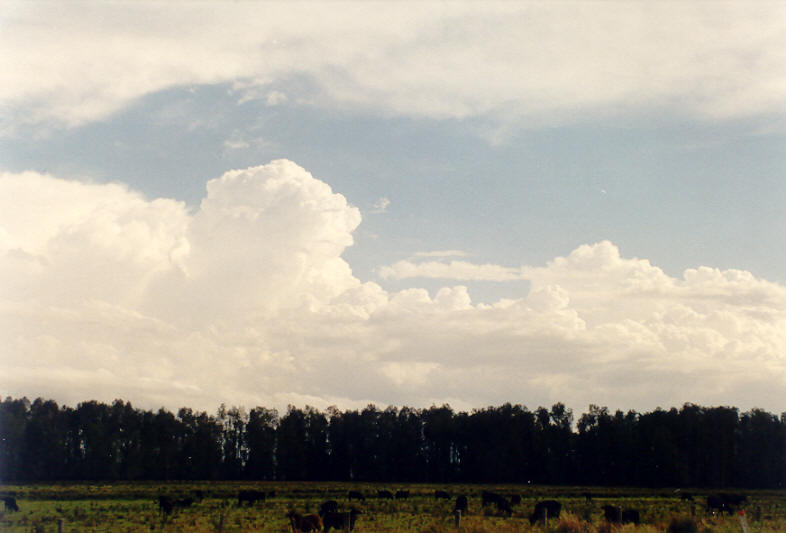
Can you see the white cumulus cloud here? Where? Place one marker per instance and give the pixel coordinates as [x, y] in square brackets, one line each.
[247, 300]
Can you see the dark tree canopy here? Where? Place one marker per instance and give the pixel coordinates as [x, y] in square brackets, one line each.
[692, 446]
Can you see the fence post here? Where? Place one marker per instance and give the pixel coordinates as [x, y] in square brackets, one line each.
[60, 525]
[457, 518]
[348, 521]
[743, 522]
[221, 522]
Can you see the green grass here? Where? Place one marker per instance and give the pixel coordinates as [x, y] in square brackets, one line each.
[132, 508]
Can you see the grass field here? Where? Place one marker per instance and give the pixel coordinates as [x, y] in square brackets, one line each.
[132, 507]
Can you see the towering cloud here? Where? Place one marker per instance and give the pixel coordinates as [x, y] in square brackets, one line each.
[248, 300]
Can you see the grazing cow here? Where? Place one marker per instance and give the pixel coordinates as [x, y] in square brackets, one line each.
[616, 515]
[515, 499]
[330, 506]
[716, 502]
[339, 522]
[488, 497]
[309, 522]
[357, 495]
[10, 503]
[733, 500]
[199, 495]
[503, 506]
[631, 516]
[182, 503]
[402, 494]
[461, 503]
[497, 499]
[384, 494]
[441, 494]
[544, 510]
[165, 505]
[250, 496]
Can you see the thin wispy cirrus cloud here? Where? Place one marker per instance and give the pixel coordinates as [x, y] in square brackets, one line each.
[267, 290]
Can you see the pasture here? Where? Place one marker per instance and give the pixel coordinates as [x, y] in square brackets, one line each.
[133, 507]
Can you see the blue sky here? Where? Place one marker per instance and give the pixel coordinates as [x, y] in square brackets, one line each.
[537, 169]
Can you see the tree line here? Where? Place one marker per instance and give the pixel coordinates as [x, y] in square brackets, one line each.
[692, 446]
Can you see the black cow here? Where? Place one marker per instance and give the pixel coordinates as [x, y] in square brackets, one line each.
[309, 522]
[716, 502]
[165, 505]
[386, 494]
[338, 521]
[402, 494]
[10, 503]
[250, 496]
[544, 510]
[733, 500]
[503, 505]
[617, 515]
[631, 516]
[183, 503]
[356, 495]
[330, 506]
[461, 503]
[488, 497]
[515, 499]
[441, 494]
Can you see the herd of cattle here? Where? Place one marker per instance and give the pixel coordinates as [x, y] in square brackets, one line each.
[330, 515]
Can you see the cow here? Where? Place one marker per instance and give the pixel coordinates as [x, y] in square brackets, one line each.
[10, 503]
[733, 500]
[357, 495]
[271, 494]
[165, 505]
[441, 495]
[330, 506]
[199, 495]
[183, 503]
[384, 494]
[544, 510]
[717, 502]
[309, 522]
[340, 521]
[488, 497]
[503, 505]
[616, 515]
[461, 503]
[631, 516]
[250, 496]
[515, 499]
[402, 494]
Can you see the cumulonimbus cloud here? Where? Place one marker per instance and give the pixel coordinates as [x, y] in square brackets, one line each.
[247, 300]
[502, 62]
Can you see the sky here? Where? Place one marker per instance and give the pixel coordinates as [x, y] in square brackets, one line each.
[394, 203]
